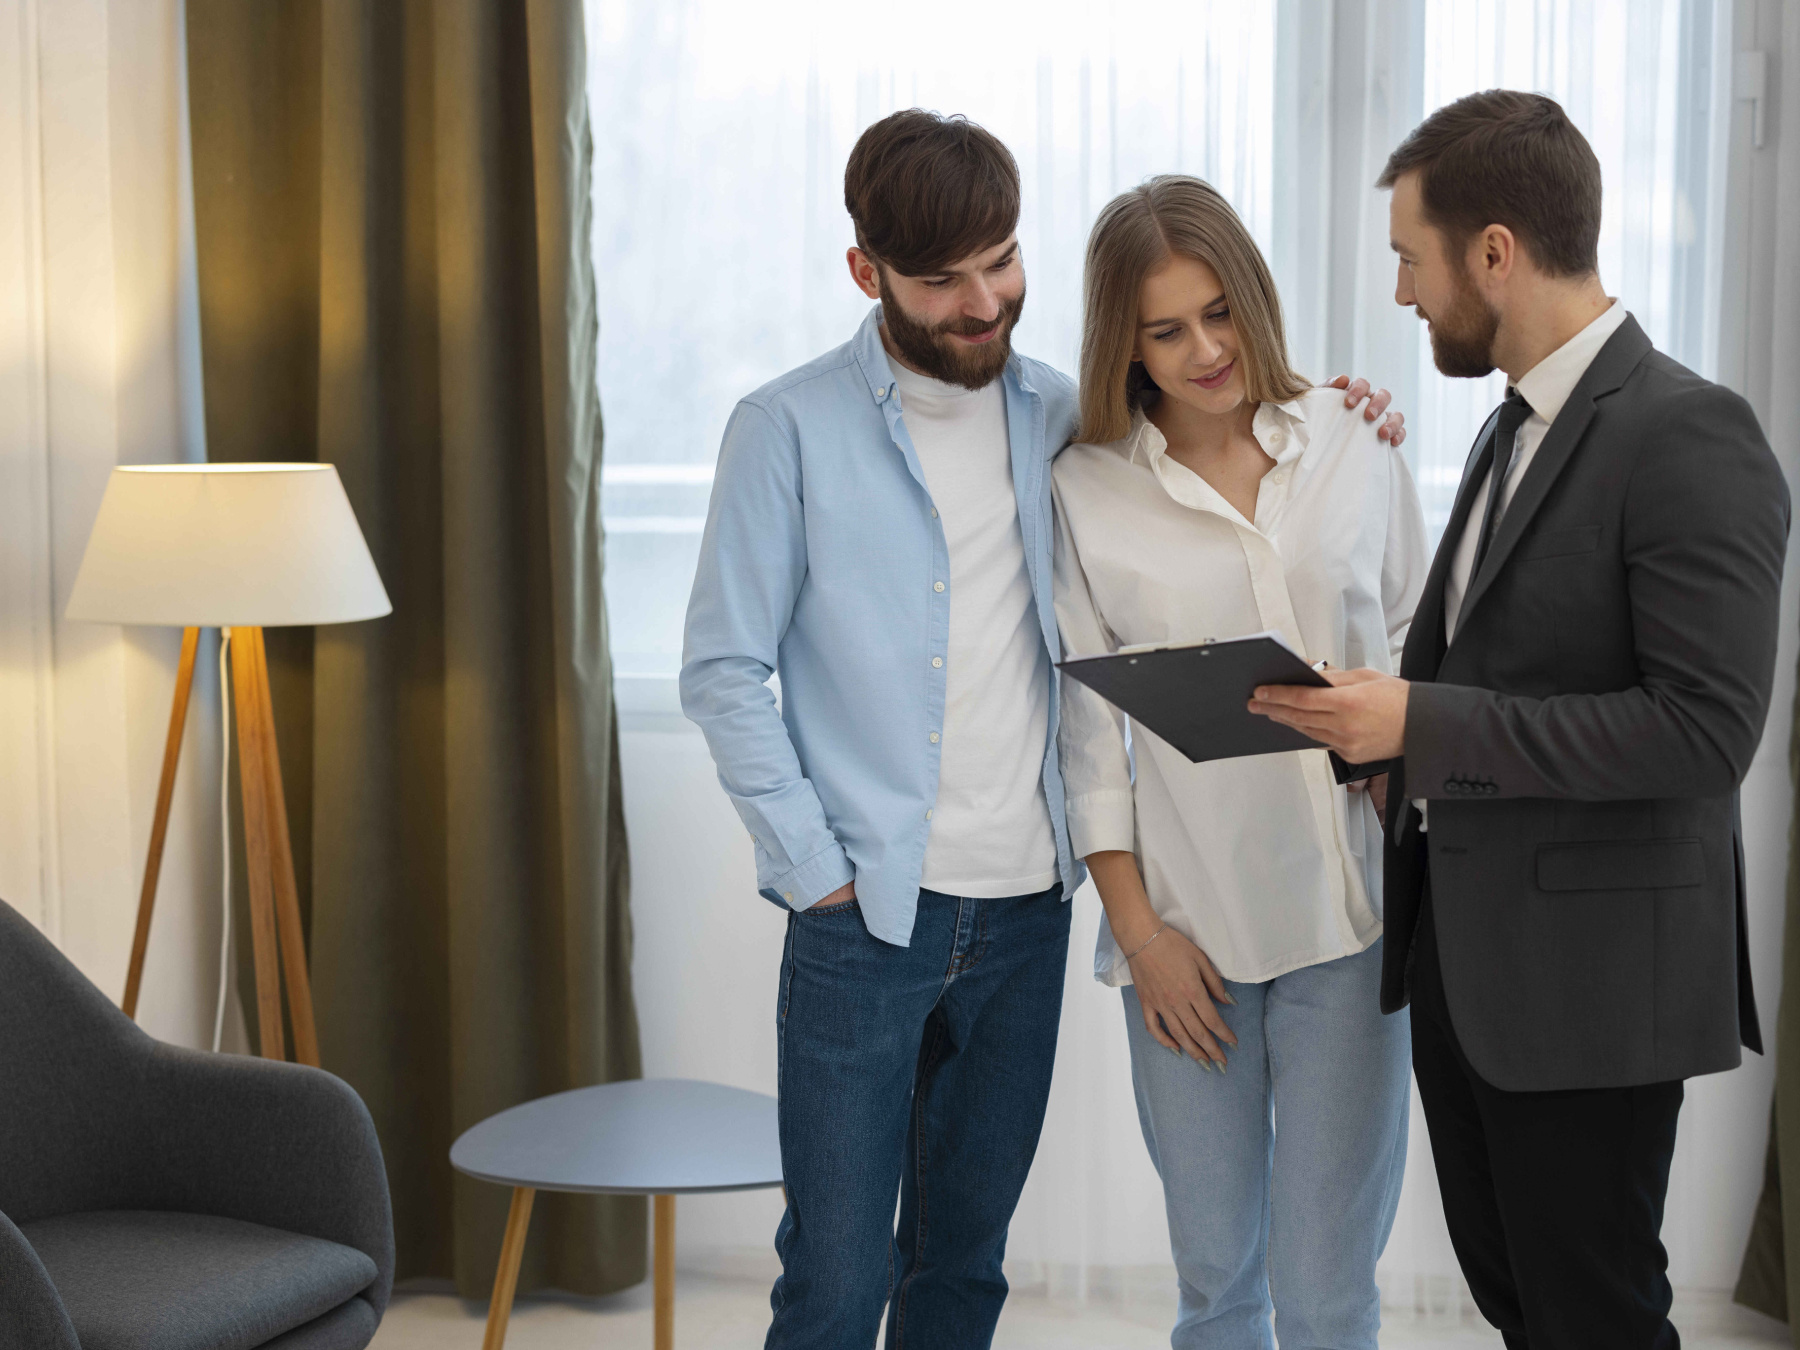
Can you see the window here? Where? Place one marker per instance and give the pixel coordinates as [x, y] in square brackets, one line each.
[721, 131]
[1637, 79]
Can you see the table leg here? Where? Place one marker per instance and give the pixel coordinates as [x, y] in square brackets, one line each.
[665, 1272]
[506, 1278]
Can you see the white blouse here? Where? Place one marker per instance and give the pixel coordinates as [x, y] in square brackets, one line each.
[1263, 862]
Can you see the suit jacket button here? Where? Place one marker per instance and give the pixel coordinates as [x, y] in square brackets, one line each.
[1451, 786]
[1492, 789]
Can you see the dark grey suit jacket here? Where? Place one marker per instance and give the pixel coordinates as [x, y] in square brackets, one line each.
[1582, 739]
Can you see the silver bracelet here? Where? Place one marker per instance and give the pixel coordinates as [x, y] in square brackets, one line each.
[1146, 942]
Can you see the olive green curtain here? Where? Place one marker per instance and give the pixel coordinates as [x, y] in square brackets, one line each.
[392, 215]
[1770, 1278]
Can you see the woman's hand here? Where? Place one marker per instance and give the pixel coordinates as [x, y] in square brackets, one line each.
[1176, 983]
[1179, 989]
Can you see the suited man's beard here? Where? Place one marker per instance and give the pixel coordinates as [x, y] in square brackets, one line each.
[1462, 337]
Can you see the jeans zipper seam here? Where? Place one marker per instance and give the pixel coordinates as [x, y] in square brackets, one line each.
[919, 1188]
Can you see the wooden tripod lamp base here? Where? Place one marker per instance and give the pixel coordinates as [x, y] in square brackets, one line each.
[277, 941]
[231, 546]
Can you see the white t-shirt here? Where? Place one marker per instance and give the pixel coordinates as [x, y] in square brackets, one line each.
[990, 826]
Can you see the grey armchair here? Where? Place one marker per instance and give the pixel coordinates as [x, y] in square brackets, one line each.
[154, 1198]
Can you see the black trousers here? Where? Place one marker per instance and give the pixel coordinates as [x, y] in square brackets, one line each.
[1554, 1199]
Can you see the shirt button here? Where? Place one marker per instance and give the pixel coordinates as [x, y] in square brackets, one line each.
[937, 585]
[928, 813]
[788, 896]
[937, 661]
[934, 738]
[934, 513]
[881, 392]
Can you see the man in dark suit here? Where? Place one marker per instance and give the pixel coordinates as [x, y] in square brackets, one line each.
[1582, 690]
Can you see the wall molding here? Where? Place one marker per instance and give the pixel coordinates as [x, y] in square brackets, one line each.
[30, 872]
[98, 366]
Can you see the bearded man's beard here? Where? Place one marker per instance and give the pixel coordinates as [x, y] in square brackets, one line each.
[1462, 337]
[929, 348]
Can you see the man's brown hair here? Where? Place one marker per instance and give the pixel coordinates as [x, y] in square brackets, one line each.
[1507, 158]
[925, 191]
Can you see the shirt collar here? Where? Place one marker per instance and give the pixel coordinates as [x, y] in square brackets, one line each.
[1548, 384]
[871, 357]
[1273, 428]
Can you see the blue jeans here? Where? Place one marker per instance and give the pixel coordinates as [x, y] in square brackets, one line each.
[1281, 1174]
[922, 1071]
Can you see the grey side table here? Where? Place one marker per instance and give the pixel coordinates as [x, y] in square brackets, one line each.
[660, 1137]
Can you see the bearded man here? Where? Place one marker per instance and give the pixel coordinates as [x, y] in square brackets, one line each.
[1582, 691]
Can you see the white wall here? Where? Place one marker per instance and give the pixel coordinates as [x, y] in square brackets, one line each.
[98, 366]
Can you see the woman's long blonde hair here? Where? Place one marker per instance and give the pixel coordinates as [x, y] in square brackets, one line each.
[1137, 232]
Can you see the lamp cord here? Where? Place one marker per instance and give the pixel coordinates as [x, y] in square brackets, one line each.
[224, 834]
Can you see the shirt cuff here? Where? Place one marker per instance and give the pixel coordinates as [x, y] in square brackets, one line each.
[1103, 821]
[802, 886]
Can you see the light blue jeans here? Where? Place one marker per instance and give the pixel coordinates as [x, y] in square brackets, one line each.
[1281, 1174]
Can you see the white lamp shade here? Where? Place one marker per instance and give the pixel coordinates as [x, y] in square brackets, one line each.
[223, 545]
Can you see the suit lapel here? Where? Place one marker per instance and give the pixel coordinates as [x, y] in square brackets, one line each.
[1617, 359]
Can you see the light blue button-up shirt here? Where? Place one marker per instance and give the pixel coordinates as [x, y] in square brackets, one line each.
[820, 562]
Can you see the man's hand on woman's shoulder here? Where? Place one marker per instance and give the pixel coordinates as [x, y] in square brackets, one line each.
[1393, 430]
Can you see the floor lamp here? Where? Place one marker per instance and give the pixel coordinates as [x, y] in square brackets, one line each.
[238, 547]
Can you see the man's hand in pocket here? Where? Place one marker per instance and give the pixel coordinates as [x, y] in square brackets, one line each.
[843, 895]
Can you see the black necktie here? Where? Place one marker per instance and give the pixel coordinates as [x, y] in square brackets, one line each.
[1513, 413]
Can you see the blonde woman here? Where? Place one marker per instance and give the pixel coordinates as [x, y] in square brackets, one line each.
[1212, 493]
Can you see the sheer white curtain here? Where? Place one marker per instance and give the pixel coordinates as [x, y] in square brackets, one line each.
[721, 134]
[1637, 77]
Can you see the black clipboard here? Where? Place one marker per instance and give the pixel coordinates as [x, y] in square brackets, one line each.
[1194, 696]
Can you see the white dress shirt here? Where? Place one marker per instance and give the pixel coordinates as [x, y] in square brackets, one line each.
[1546, 387]
[1263, 862]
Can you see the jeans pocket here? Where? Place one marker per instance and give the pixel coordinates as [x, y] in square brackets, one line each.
[850, 906]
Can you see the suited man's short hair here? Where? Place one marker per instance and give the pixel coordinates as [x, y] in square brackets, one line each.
[1502, 157]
